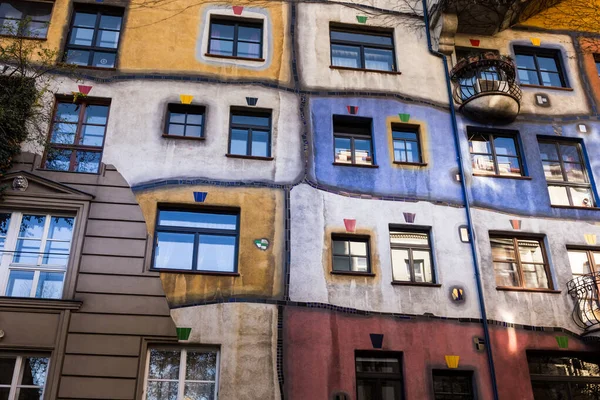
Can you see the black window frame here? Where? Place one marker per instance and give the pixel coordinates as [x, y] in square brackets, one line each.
[565, 182]
[26, 19]
[197, 232]
[451, 375]
[342, 237]
[563, 379]
[353, 133]
[380, 376]
[413, 247]
[236, 23]
[361, 45]
[186, 109]
[99, 11]
[535, 52]
[252, 112]
[492, 134]
[416, 129]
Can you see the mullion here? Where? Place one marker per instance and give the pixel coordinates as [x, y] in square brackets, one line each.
[494, 155]
[352, 150]
[411, 266]
[249, 143]
[94, 37]
[518, 262]
[362, 56]
[235, 39]
[563, 172]
[537, 67]
[195, 251]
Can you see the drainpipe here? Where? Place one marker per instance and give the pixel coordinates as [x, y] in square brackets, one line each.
[463, 185]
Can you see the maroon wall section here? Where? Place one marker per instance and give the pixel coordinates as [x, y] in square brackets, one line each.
[319, 350]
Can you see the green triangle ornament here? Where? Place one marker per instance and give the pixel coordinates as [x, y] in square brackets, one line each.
[183, 333]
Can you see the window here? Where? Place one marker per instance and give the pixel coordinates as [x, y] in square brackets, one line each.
[494, 154]
[565, 376]
[540, 67]
[566, 174]
[597, 61]
[179, 374]
[25, 18]
[379, 376]
[185, 120]
[407, 146]
[520, 262]
[34, 253]
[353, 140]
[196, 240]
[250, 133]
[482, 79]
[77, 136]
[350, 254]
[584, 262]
[94, 38]
[453, 385]
[236, 38]
[411, 256]
[363, 50]
[23, 377]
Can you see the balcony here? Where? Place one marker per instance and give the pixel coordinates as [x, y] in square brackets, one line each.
[586, 314]
[485, 88]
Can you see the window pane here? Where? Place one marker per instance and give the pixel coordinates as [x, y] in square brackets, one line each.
[32, 226]
[82, 36]
[35, 371]
[30, 394]
[506, 274]
[199, 391]
[366, 390]
[362, 38]
[552, 170]
[164, 364]
[239, 142]
[88, 161]
[7, 367]
[78, 57]
[19, 283]
[399, 151]
[548, 151]
[260, 144]
[535, 276]
[343, 151]
[216, 253]
[358, 248]
[162, 390]
[376, 364]
[575, 173]
[67, 112]
[9, 9]
[193, 131]
[360, 264]
[176, 118]
[63, 133]
[104, 60]
[341, 263]
[56, 253]
[408, 238]
[176, 130]
[195, 119]
[345, 56]
[525, 61]
[221, 47]
[107, 39]
[422, 266]
[570, 153]
[483, 164]
[174, 250]
[579, 262]
[95, 114]
[85, 20]
[92, 135]
[405, 135]
[201, 366]
[249, 34]
[551, 79]
[50, 285]
[505, 146]
[379, 59]
[547, 64]
[390, 390]
[9, 27]
[550, 391]
[341, 247]
[240, 119]
[502, 249]
[412, 152]
[400, 265]
[558, 195]
[530, 251]
[4, 392]
[249, 50]
[198, 220]
[582, 197]
[221, 31]
[509, 166]
[58, 160]
[110, 22]
[480, 144]
[529, 77]
[362, 152]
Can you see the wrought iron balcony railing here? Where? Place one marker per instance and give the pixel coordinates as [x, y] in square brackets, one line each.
[486, 89]
[584, 289]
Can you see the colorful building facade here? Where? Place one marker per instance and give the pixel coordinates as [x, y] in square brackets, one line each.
[304, 200]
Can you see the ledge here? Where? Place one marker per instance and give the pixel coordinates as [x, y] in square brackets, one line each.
[194, 272]
[234, 57]
[577, 208]
[522, 178]
[365, 70]
[249, 157]
[520, 289]
[40, 304]
[39, 39]
[414, 164]
[167, 136]
[356, 165]
[565, 89]
[76, 66]
[423, 284]
[69, 172]
[352, 273]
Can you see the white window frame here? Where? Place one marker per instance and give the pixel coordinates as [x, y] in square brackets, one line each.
[181, 381]
[10, 244]
[18, 375]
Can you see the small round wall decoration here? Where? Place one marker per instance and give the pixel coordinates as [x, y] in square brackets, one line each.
[262, 244]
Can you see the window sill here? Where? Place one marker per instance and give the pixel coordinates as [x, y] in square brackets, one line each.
[565, 89]
[356, 165]
[42, 304]
[410, 164]
[576, 207]
[195, 272]
[234, 57]
[69, 172]
[520, 289]
[381, 71]
[65, 65]
[368, 274]
[522, 178]
[167, 136]
[39, 39]
[249, 157]
[423, 284]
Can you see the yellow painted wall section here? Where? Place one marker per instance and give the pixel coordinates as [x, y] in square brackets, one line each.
[570, 15]
[261, 216]
[167, 38]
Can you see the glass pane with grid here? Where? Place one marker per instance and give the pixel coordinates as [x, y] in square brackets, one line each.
[452, 385]
[23, 377]
[94, 39]
[411, 257]
[365, 50]
[25, 18]
[519, 262]
[350, 255]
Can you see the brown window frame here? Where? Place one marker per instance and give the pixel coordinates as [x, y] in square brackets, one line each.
[492, 134]
[83, 104]
[519, 264]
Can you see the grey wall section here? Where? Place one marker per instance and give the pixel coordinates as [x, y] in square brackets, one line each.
[123, 305]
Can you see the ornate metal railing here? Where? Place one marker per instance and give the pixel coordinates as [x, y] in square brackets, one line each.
[482, 76]
[584, 289]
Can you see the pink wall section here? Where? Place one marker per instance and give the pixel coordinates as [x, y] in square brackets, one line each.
[319, 350]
